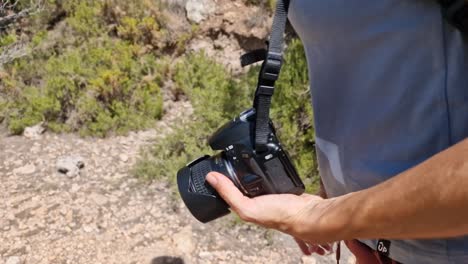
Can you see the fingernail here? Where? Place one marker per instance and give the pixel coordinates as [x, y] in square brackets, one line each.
[211, 179]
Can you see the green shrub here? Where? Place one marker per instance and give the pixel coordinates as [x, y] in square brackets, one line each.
[101, 87]
[270, 4]
[7, 40]
[85, 17]
[94, 67]
[217, 98]
[145, 31]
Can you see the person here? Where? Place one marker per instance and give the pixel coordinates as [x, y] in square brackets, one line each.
[389, 83]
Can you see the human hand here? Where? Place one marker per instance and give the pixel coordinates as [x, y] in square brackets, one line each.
[299, 216]
[309, 249]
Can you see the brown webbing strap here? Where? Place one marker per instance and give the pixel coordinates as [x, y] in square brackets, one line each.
[338, 252]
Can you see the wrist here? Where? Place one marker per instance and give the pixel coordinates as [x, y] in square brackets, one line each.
[320, 221]
[332, 220]
[336, 219]
[347, 211]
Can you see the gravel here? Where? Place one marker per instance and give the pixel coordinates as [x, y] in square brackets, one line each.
[106, 215]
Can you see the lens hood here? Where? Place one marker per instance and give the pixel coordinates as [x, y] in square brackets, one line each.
[203, 207]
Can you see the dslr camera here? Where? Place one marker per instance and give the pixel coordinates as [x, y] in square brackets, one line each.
[251, 155]
[268, 172]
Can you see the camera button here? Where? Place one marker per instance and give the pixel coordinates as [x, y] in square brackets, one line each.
[250, 178]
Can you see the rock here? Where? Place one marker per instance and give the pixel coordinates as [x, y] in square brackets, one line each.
[10, 217]
[17, 249]
[88, 229]
[34, 132]
[4, 223]
[75, 188]
[13, 260]
[27, 169]
[184, 242]
[205, 255]
[70, 165]
[308, 260]
[99, 199]
[69, 217]
[123, 157]
[199, 10]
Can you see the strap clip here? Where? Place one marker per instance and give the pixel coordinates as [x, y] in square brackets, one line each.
[272, 66]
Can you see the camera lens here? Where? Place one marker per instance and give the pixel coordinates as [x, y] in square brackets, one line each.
[197, 180]
[200, 198]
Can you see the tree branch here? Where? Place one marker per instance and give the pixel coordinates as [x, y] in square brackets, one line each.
[10, 19]
[12, 52]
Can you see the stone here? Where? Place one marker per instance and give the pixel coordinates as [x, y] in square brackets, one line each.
[308, 260]
[69, 217]
[34, 132]
[199, 10]
[10, 217]
[70, 165]
[184, 241]
[4, 223]
[75, 188]
[123, 157]
[27, 169]
[13, 260]
[99, 199]
[205, 255]
[88, 229]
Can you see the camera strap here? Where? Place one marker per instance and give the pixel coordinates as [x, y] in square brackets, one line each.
[456, 12]
[272, 58]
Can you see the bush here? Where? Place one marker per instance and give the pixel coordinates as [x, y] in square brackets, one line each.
[101, 87]
[85, 17]
[217, 98]
[7, 40]
[93, 74]
[269, 4]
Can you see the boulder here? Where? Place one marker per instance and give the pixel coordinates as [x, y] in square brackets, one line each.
[199, 10]
[70, 165]
[34, 132]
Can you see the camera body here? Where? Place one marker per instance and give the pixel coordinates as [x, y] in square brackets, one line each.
[254, 174]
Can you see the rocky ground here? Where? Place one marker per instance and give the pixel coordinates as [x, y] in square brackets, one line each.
[106, 215]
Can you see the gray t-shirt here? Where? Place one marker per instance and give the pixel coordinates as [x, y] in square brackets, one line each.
[389, 83]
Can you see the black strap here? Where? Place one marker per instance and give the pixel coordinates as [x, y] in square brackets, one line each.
[456, 12]
[253, 57]
[272, 61]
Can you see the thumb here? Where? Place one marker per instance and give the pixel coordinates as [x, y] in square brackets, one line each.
[227, 190]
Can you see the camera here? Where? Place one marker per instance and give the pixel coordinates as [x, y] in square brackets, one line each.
[268, 172]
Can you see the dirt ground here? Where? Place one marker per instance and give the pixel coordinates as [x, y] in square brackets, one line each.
[106, 215]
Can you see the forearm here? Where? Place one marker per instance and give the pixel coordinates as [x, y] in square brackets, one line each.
[427, 201]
